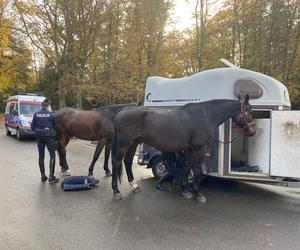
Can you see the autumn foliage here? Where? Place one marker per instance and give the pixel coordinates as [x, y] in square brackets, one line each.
[83, 53]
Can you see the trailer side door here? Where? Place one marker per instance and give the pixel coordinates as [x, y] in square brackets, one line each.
[285, 144]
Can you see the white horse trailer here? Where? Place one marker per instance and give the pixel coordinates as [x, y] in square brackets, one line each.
[270, 156]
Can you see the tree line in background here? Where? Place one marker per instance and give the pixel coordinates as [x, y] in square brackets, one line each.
[95, 52]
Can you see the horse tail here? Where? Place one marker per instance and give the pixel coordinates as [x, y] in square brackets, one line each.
[114, 144]
[114, 150]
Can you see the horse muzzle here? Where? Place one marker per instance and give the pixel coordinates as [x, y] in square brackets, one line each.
[250, 129]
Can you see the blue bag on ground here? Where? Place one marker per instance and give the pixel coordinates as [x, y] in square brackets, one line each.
[78, 183]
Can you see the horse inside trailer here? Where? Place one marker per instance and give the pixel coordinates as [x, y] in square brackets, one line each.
[268, 157]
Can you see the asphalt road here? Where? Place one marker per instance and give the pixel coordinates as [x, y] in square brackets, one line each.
[40, 216]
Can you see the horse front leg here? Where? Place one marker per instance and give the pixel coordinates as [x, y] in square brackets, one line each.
[63, 141]
[187, 191]
[96, 155]
[128, 160]
[198, 178]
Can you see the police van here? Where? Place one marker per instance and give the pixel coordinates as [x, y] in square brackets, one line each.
[19, 113]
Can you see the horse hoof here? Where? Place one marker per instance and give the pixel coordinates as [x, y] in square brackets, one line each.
[117, 196]
[161, 188]
[201, 198]
[187, 195]
[136, 189]
[108, 174]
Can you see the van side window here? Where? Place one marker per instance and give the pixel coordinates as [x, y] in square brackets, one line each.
[11, 108]
[7, 108]
[242, 87]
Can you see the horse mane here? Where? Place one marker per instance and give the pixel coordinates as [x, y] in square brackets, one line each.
[206, 103]
[116, 108]
[65, 110]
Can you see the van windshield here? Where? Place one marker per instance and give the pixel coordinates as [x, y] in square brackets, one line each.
[29, 108]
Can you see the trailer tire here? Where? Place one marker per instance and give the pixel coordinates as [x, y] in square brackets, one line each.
[158, 167]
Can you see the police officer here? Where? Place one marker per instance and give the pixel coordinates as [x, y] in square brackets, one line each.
[43, 126]
[174, 162]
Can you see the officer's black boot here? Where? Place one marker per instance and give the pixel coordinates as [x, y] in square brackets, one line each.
[42, 169]
[52, 178]
[161, 180]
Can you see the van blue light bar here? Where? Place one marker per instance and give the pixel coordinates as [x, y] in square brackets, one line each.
[31, 94]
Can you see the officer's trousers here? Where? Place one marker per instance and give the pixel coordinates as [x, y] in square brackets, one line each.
[51, 144]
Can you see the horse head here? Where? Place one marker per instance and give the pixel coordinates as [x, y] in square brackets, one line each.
[243, 119]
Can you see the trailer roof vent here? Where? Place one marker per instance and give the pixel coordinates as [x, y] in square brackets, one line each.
[242, 87]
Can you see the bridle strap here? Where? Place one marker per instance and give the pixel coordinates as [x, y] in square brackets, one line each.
[242, 116]
[238, 129]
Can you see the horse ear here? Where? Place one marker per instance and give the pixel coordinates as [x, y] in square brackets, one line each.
[246, 99]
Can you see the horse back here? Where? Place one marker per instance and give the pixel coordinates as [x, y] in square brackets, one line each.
[154, 126]
[86, 125]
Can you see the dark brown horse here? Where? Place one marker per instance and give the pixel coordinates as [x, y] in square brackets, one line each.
[95, 125]
[190, 128]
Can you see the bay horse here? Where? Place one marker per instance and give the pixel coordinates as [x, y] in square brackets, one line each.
[94, 125]
[190, 128]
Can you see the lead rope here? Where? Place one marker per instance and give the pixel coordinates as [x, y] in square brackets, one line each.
[237, 132]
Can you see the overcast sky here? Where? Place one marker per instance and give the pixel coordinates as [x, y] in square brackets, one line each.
[182, 14]
[184, 9]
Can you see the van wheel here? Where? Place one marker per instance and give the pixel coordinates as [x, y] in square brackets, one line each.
[8, 133]
[19, 137]
[158, 166]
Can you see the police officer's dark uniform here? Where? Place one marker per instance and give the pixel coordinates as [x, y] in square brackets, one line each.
[43, 125]
[174, 162]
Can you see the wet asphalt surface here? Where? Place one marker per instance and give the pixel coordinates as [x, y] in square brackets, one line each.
[42, 216]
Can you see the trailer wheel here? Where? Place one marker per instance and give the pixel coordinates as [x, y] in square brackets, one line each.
[8, 133]
[158, 167]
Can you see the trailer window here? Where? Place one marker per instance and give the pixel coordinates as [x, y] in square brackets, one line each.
[261, 114]
[242, 87]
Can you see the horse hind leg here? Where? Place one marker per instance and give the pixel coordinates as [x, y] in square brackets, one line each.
[96, 155]
[118, 153]
[117, 166]
[128, 160]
